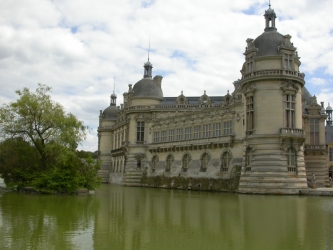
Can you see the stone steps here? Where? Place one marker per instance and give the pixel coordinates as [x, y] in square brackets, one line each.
[132, 178]
[104, 175]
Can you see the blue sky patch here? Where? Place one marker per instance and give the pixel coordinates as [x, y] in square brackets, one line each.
[318, 73]
[147, 4]
[179, 54]
[74, 29]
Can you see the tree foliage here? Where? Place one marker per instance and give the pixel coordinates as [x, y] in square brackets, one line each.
[39, 144]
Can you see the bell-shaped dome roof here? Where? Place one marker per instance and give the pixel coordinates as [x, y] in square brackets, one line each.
[147, 88]
[268, 43]
[110, 113]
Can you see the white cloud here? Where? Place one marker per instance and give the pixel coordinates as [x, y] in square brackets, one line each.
[318, 81]
[78, 46]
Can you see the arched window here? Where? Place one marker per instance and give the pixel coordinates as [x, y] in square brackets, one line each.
[292, 160]
[205, 158]
[225, 161]
[186, 162]
[169, 162]
[248, 159]
[138, 163]
[154, 162]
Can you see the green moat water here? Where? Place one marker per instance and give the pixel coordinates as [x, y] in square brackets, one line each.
[141, 218]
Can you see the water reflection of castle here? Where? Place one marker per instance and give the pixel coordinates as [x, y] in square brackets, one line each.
[142, 218]
[269, 125]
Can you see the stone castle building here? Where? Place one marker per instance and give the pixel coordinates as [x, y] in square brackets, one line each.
[270, 126]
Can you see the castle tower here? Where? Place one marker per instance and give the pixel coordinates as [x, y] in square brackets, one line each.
[273, 153]
[107, 119]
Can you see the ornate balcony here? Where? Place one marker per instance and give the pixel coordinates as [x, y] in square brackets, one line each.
[292, 132]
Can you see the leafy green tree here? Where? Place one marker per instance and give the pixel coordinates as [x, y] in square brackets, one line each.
[40, 121]
[43, 128]
[18, 160]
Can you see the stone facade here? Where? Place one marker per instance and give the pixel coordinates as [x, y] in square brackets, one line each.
[270, 127]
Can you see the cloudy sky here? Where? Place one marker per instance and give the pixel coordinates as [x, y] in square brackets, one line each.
[78, 47]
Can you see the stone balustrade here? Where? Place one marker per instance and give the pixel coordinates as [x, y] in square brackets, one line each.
[273, 72]
[292, 131]
[173, 106]
[315, 147]
[195, 143]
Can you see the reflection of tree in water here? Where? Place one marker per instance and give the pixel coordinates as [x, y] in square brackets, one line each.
[44, 221]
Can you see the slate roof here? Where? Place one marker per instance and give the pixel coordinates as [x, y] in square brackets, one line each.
[268, 43]
[192, 100]
[146, 87]
[329, 134]
[110, 113]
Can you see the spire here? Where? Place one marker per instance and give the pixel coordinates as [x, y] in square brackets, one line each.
[270, 18]
[148, 49]
[148, 66]
[113, 96]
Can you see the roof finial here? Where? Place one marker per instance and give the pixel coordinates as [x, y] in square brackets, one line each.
[148, 49]
[114, 84]
[269, 3]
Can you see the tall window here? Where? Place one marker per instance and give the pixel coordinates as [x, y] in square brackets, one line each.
[331, 154]
[290, 111]
[248, 159]
[169, 162]
[186, 162]
[179, 134]
[314, 131]
[197, 132]
[216, 129]
[225, 163]
[164, 136]
[140, 131]
[188, 132]
[291, 157]
[204, 162]
[171, 135]
[116, 141]
[249, 113]
[291, 160]
[154, 162]
[156, 137]
[206, 131]
[288, 60]
[227, 128]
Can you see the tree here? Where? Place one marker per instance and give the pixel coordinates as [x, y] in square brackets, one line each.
[40, 121]
[52, 133]
[18, 159]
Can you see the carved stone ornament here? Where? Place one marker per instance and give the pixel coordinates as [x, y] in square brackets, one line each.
[204, 99]
[181, 99]
[250, 47]
[286, 143]
[249, 88]
[289, 86]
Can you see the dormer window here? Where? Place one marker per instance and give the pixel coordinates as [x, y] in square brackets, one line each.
[249, 64]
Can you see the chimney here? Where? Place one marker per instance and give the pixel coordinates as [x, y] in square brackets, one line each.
[158, 80]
